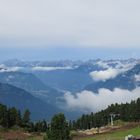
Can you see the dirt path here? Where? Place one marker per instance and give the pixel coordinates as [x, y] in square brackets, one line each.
[12, 135]
[18, 135]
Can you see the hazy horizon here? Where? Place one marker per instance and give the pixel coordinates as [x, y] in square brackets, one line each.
[58, 30]
[64, 53]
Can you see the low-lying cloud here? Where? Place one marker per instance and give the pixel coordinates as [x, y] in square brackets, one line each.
[89, 101]
[3, 68]
[137, 77]
[50, 68]
[110, 72]
[102, 64]
[104, 75]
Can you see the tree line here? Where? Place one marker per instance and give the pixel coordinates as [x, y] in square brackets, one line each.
[59, 128]
[12, 117]
[126, 112]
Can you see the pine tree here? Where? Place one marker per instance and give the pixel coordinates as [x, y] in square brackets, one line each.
[12, 113]
[18, 118]
[26, 118]
[3, 116]
[59, 128]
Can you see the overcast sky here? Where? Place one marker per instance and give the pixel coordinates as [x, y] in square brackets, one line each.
[70, 24]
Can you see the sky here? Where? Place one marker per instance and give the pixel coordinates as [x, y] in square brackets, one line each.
[69, 29]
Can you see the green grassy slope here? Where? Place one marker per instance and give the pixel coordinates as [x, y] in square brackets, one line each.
[119, 135]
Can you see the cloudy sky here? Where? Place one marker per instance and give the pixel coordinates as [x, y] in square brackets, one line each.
[69, 29]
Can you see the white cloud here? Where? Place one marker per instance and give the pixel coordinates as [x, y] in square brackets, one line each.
[104, 75]
[50, 68]
[3, 68]
[102, 64]
[77, 22]
[137, 77]
[37, 68]
[90, 101]
[110, 71]
[14, 69]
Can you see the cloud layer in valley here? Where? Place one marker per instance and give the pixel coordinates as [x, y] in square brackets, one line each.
[89, 101]
[137, 77]
[110, 72]
[104, 75]
[3, 68]
[50, 68]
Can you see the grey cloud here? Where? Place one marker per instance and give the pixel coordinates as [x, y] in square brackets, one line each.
[79, 22]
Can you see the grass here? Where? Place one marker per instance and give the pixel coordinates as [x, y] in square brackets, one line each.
[35, 138]
[119, 135]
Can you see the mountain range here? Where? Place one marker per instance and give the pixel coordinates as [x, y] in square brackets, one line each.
[126, 80]
[41, 85]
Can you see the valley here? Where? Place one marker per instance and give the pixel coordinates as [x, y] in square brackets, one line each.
[69, 70]
[51, 83]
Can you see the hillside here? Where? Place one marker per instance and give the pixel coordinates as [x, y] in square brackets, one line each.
[113, 134]
[30, 83]
[13, 96]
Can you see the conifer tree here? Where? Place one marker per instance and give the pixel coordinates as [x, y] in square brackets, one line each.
[59, 129]
[26, 118]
